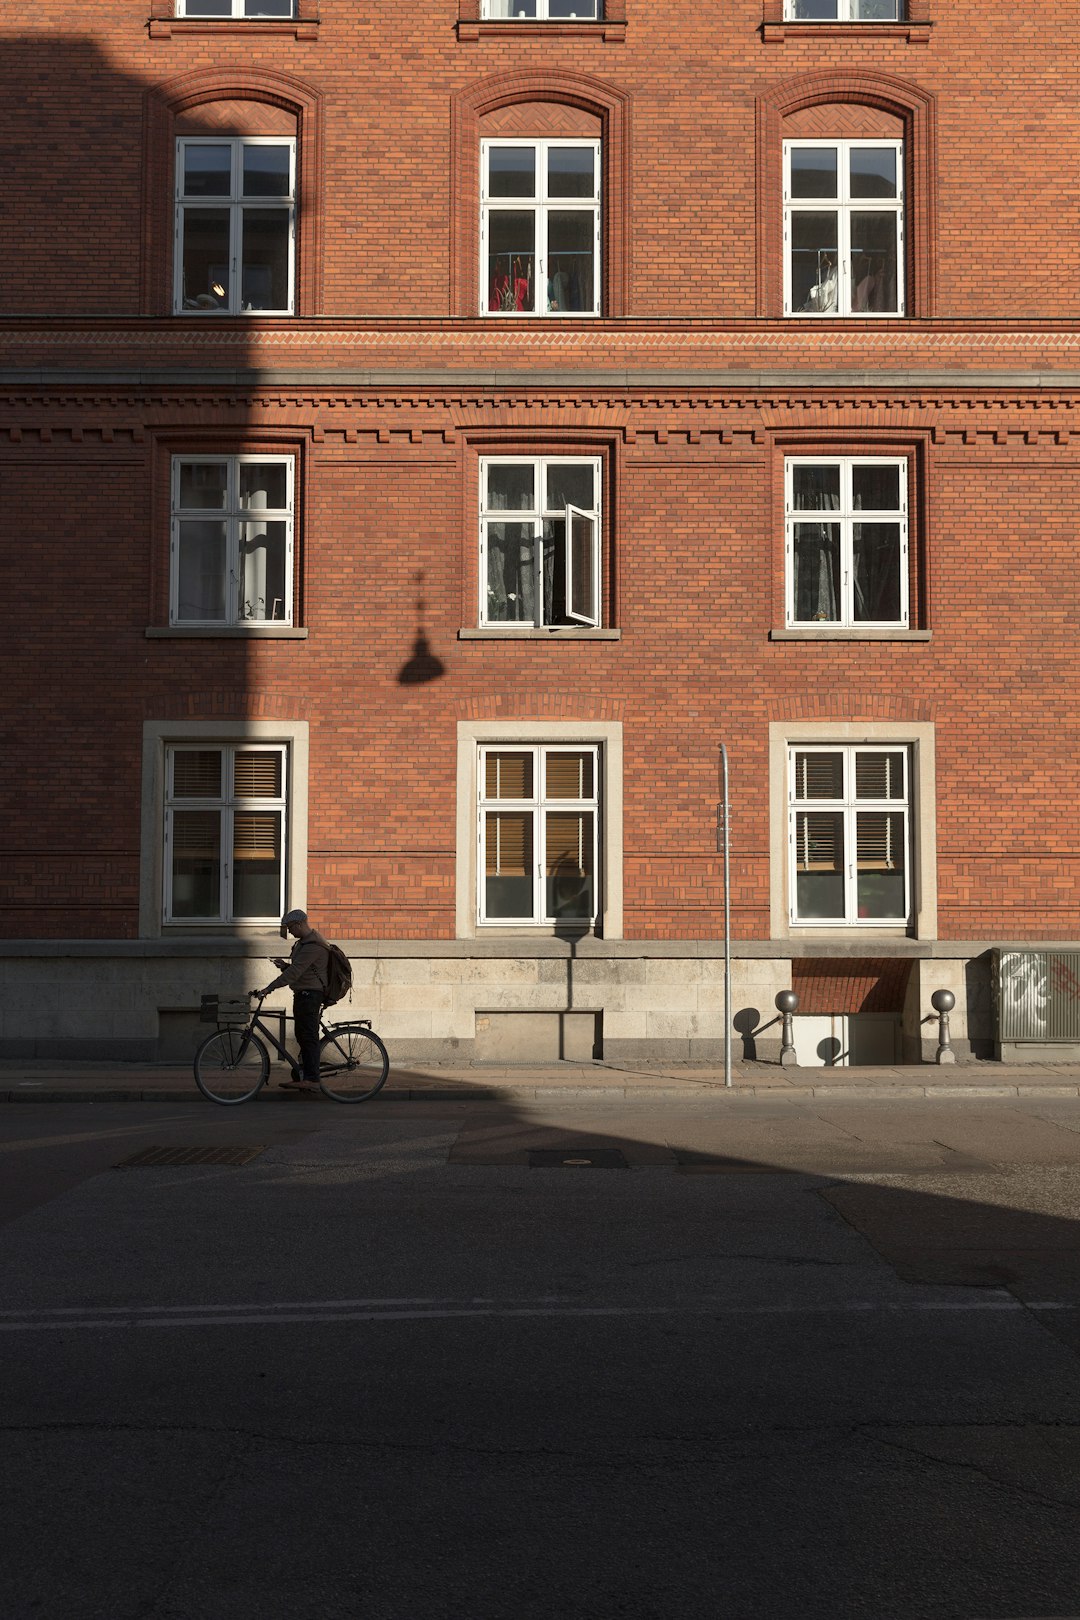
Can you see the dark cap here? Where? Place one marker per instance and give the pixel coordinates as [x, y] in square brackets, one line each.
[291, 917]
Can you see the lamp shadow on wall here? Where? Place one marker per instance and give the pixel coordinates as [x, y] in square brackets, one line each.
[423, 665]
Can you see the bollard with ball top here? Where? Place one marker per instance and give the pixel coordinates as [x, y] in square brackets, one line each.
[943, 1002]
[787, 1004]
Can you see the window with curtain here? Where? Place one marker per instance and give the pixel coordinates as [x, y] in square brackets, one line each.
[225, 813]
[846, 541]
[849, 834]
[235, 225]
[232, 540]
[843, 227]
[235, 8]
[843, 10]
[540, 227]
[540, 540]
[538, 828]
[541, 10]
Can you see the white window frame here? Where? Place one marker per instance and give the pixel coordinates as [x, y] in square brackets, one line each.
[844, 517]
[226, 806]
[541, 206]
[518, 733]
[537, 514]
[845, 11]
[157, 737]
[848, 806]
[503, 11]
[844, 205]
[539, 805]
[233, 516]
[236, 203]
[237, 8]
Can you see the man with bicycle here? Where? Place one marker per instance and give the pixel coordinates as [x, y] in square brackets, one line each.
[305, 972]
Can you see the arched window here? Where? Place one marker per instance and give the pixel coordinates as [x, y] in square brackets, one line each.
[540, 201]
[232, 215]
[846, 198]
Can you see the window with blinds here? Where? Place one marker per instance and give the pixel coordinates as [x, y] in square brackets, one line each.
[538, 860]
[849, 854]
[225, 834]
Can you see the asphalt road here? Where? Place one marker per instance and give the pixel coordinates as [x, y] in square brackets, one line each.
[793, 1359]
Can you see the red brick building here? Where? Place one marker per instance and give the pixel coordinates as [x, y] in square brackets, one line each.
[427, 435]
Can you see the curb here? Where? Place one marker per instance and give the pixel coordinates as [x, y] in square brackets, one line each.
[652, 1094]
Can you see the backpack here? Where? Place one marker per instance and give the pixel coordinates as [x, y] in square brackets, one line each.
[338, 975]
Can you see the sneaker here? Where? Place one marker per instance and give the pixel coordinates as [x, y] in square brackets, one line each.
[297, 1082]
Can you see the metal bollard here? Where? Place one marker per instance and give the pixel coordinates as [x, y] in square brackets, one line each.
[943, 1002]
[787, 1003]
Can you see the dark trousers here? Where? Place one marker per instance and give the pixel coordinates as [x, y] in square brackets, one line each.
[307, 1005]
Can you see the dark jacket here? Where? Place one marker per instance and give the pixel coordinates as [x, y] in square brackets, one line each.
[307, 969]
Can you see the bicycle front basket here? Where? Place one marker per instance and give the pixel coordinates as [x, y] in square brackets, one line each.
[225, 1010]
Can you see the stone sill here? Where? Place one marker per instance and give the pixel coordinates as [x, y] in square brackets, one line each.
[611, 32]
[298, 27]
[560, 632]
[844, 634]
[260, 632]
[915, 33]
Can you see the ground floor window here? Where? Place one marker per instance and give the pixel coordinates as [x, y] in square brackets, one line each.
[849, 834]
[537, 834]
[225, 820]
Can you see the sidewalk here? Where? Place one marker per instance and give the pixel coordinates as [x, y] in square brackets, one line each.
[42, 1080]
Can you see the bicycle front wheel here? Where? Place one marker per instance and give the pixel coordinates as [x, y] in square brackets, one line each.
[353, 1063]
[231, 1066]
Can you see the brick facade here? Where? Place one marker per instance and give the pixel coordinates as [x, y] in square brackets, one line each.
[388, 386]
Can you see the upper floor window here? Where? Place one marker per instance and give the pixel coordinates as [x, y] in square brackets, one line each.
[843, 10]
[235, 8]
[849, 834]
[540, 227]
[225, 810]
[232, 540]
[846, 545]
[540, 540]
[843, 227]
[235, 225]
[540, 10]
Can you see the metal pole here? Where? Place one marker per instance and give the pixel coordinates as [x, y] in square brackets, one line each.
[727, 918]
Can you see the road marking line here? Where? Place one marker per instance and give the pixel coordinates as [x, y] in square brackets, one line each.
[432, 1311]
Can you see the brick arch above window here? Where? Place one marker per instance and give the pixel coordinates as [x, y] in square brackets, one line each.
[230, 101]
[540, 104]
[847, 105]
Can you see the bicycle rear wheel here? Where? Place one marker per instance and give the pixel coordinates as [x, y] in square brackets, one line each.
[353, 1063]
[231, 1066]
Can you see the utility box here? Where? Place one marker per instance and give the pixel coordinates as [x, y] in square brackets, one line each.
[1036, 1005]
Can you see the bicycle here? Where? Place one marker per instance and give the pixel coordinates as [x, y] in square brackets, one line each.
[233, 1064]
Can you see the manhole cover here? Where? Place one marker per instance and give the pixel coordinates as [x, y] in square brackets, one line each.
[152, 1157]
[576, 1158]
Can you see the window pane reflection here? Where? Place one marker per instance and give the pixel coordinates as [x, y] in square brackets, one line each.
[511, 267]
[265, 278]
